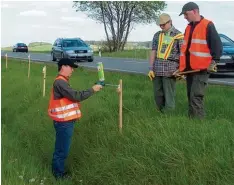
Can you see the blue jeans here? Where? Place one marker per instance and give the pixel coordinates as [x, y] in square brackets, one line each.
[64, 131]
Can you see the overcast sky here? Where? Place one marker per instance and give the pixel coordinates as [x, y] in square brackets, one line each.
[23, 21]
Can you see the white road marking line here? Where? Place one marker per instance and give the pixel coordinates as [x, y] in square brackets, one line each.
[121, 70]
[222, 81]
[33, 59]
[135, 62]
[131, 62]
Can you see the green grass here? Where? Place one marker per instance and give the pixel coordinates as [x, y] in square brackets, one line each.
[45, 48]
[135, 53]
[41, 48]
[33, 44]
[154, 149]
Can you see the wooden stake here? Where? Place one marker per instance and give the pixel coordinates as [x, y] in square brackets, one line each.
[6, 60]
[29, 66]
[187, 72]
[44, 79]
[120, 106]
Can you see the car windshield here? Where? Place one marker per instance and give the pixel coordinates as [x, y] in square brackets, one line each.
[226, 42]
[21, 44]
[73, 43]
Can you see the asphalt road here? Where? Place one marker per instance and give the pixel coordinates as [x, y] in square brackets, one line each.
[117, 64]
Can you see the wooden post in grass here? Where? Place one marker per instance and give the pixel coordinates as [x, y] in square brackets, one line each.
[6, 60]
[44, 79]
[120, 91]
[99, 51]
[135, 53]
[29, 66]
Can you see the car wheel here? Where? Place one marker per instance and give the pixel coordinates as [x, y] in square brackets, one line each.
[53, 57]
[90, 60]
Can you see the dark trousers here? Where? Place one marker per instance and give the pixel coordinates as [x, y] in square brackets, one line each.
[196, 84]
[164, 92]
[64, 131]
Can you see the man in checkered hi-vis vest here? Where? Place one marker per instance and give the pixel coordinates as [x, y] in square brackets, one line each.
[164, 61]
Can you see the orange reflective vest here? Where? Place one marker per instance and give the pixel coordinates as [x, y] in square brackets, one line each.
[63, 109]
[200, 57]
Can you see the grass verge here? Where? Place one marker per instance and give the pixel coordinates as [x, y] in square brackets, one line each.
[154, 149]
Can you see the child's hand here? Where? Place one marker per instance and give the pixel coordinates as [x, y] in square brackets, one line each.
[97, 88]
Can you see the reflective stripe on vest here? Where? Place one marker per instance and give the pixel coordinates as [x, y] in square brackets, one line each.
[200, 56]
[160, 41]
[199, 41]
[166, 40]
[63, 109]
[66, 115]
[66, 107]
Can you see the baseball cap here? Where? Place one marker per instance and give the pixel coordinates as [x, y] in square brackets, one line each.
[67, 62]
[164, 18]
[188, 7]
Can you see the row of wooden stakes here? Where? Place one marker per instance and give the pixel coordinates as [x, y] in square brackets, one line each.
[119, 90]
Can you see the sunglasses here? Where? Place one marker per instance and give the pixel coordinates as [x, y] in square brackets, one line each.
[162, 25]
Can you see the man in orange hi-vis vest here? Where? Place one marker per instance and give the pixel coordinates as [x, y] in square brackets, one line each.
[64, 110]
[201, 49]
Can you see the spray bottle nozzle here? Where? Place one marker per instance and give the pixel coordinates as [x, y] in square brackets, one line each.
[100, 83]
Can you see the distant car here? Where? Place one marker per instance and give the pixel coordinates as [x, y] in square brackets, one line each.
[72, 48]
[226, 63]
[20, 47]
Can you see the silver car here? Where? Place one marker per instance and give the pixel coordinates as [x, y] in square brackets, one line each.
[72, 48]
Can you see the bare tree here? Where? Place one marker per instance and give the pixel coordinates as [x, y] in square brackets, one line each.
[120, 17]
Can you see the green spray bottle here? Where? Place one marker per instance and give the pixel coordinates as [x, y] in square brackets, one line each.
[100, 74]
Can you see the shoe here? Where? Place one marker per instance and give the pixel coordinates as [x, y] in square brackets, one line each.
[65, 175]
[160, 110]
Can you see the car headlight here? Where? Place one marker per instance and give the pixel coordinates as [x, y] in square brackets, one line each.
[226, 57]
[70, 51]
[90, 51]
